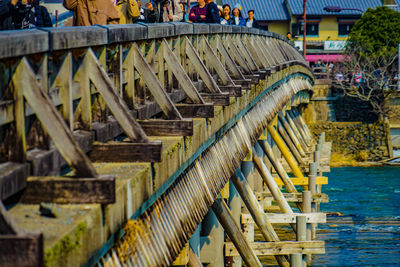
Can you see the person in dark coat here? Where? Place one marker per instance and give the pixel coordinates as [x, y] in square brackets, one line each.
[12, 13]
[251, 22]
[212, 14]
[38, 16]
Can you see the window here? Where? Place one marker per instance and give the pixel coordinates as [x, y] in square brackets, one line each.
[311, 30]
[345, 28]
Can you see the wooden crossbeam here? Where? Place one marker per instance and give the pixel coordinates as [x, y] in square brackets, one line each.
[175, 66]
[315, 217]
[234, 90]
[154, 85]
[217, 99]
[303, 181]
[294, 197]
[65, 190]
[199, 66]
[279, 248]
[196, 110]
[23, 250]
[24, 79]
[126, 152]
[167, 127]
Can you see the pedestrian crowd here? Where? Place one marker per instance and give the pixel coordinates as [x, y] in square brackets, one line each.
[22, 14]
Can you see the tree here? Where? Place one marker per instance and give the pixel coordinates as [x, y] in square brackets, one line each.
[370, 64]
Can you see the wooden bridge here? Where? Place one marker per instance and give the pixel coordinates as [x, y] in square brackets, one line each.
[124, 144]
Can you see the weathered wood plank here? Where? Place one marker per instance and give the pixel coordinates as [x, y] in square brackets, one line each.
[126, 152]
[217, 99]
[234, 51]
[234, 90]
[65, 190]
[117, 106]
[280, 248]
[303, 181]
[154, 85]
[7, 226]
[25, 80]
[294, 197]
[315, 217]
[167, 127]
[23, 250]
[196, 110]
[12, 178]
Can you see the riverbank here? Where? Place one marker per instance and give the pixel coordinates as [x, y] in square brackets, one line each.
[341, 160]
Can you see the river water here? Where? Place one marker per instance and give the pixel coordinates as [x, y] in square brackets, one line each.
[368, 233]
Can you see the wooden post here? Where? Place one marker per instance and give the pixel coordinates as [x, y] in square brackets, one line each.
[289, 143]
[306, 209]
[301, 234]
[292, 135]
[256, 212]
[270, 181]
[285, 152]
[224, 216]
[296, 260]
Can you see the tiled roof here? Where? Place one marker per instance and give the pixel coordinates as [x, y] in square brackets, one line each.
[264, 9]
[316, 7]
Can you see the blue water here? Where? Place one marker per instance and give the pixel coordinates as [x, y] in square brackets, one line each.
[368, 233]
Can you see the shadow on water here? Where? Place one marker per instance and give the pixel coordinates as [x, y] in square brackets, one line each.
[368, 233]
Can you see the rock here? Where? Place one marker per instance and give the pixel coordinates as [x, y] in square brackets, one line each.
[47, 211]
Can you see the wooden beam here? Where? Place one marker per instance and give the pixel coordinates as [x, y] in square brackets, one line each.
[167, 127]
[65, 190]
[234, 51]
[175, 66]
[294, 197]
[126, 152]
[199, 66]
[196, 110]
[24, 79]
[245, 54]
[230, 63]
[118, 108]
[280, 248]
[227, 221]
[212, 60]
[24, 250]
[217, 99]
[303, 180]
[7, 225]
[154, 85]
[233, 90]
[314, 217]
[256, 212]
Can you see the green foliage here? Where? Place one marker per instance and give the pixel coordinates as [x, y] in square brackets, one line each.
[377, 32]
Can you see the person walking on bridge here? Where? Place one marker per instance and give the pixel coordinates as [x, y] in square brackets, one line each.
[91, 12]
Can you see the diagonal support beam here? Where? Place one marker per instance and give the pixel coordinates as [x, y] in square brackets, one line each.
[230, 63]
[237, 56]
[118, 108]
[227, 221]
[154, 85]
[213, 60]
[245, 54]
[24, 79]
[180, 74]
[199, 66]
[257, 212]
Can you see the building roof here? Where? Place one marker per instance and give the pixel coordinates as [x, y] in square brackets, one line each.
[316, 7]
[270, 10]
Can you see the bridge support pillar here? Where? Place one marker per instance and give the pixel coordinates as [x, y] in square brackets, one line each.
[212, 241]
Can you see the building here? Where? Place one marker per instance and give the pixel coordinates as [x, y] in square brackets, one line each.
[327, 32]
